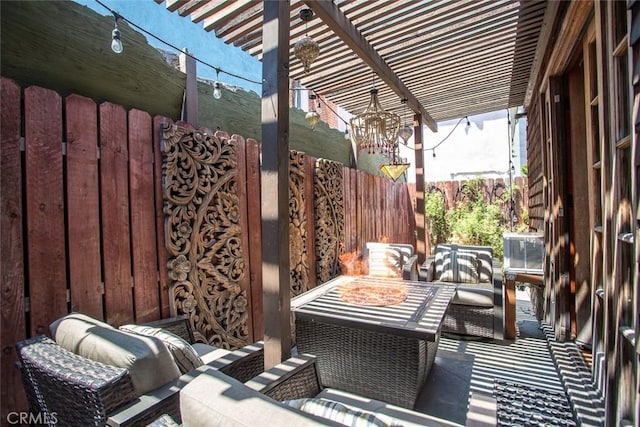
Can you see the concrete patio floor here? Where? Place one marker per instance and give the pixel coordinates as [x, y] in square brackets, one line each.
[466, 369]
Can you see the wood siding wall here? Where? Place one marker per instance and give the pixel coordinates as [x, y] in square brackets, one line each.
[83, 227]
[535, 173]
[601, 40]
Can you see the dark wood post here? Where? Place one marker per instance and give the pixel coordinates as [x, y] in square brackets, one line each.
[275, 183]
[421, 239]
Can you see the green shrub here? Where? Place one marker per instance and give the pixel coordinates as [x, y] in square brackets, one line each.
[435, 212]
[472, 221]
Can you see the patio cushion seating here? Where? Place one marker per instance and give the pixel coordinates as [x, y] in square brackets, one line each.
[83, 391]
[341, 413]
[214, 398]
[147, 359]
[477, 306]
[183, 354]
[390, 260]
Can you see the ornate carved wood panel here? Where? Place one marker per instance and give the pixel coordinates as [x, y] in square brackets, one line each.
[329, 216]
[204, 236]
[298, 257]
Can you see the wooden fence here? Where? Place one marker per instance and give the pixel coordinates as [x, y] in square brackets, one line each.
[492, 191]
[83, 227]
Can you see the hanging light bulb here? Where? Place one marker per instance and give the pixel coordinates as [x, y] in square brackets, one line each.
[306, 49]
[405, 132]
[217, 93]
[434, 154]
[318, 106]
[116, 41]
[346, 134]
[467, 127]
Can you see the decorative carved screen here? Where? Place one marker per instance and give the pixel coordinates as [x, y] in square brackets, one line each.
[329, 217]
[298, 257]
[203, 235]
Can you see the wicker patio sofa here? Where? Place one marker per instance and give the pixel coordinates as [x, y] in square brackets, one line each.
[290, 394]
[477, 306]
[74, 390]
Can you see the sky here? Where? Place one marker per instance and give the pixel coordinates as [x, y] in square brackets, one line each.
[182, 33]
[483, 149]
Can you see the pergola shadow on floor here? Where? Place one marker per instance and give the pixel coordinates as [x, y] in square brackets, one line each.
[467, 369]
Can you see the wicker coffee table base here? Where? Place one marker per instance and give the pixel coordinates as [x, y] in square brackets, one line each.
[381, 366]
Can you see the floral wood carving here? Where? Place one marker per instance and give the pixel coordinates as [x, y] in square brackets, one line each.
[298, 259]
[329, 216]
[203, 235]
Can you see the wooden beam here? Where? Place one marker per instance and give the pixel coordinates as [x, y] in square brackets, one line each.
[190, 99]
[421, 244]
[337, 22]
[275, 183]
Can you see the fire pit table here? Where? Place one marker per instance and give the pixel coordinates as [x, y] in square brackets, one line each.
[374, 337]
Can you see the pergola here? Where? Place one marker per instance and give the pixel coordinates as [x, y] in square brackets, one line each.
[449, 59]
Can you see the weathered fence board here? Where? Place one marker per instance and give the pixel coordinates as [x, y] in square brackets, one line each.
[309, 168]
[83, 207]
[245, 280]
[94, 224]
[12, 323]
[254, 230]
[114, 178]
[45, 207]
[163, 256]
[142, 214]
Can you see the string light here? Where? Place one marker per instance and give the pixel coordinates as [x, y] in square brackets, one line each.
[116, 41]
[134, 25]
[433, 149]
[217, 93]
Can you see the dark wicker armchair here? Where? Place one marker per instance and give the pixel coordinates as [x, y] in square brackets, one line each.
[477, 306]
[68, 389]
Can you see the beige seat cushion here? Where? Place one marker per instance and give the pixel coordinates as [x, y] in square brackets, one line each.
[215, 399]
[476, 296]
[147, 358]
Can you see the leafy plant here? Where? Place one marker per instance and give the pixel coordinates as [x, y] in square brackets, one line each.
[435, 212]
[472, 221]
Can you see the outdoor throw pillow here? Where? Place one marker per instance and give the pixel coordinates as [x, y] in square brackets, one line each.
[467, 267]
[459, 267]
[342, 414]
[184, 355]
[147, 358]
[448, 267]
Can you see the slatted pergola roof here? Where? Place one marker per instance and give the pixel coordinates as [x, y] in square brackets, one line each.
[451, 58]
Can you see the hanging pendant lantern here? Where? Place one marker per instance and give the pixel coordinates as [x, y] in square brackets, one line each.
[375, 130]
[306, 49]
[405, 131]
[396, 167]
[312, 118]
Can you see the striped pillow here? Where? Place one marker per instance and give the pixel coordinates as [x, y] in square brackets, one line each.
[342, 414]
[184, 356]
[467, 267]
[459, 267]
